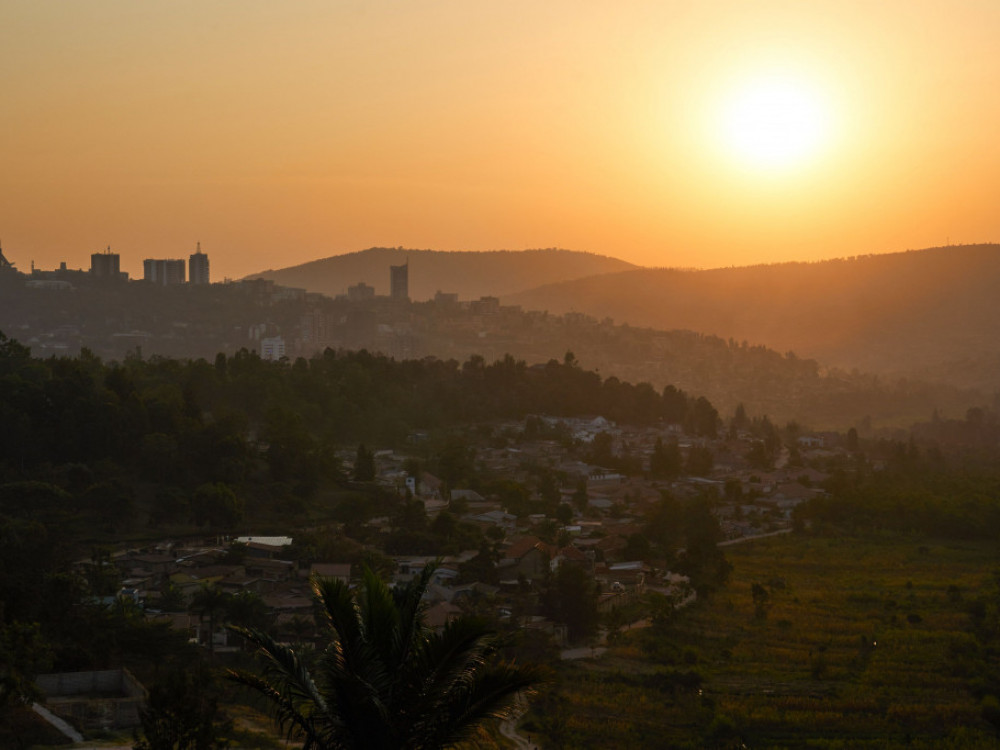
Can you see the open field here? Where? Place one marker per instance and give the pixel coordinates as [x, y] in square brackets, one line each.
[851, 643]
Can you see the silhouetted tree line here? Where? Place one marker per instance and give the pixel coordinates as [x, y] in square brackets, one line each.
[195, 422]
[947, 489]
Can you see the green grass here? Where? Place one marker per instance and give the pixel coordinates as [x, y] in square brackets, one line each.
[862, 645]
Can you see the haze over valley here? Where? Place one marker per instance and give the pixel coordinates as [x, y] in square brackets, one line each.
[882, 358]
[928, 314]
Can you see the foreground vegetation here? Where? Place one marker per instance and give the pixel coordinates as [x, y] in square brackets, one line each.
[387, 680]
[874, 626]
[864, 641]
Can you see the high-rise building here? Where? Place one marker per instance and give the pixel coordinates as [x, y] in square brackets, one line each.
[198, 267]
[163, 272]
[399, 281]
[106, 265]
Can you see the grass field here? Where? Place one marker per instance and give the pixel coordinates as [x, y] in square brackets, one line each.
[862, 642]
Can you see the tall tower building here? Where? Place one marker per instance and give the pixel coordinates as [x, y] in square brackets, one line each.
[106, 265]
[399, 281]
[163, 272]
[198, 267]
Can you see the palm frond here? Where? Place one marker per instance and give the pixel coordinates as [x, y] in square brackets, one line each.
[353, 672]
[286, 684]
[489, 694]
[445, 658]
[386, 681]
[339, 609]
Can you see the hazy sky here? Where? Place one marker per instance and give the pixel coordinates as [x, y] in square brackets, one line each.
[280, 132]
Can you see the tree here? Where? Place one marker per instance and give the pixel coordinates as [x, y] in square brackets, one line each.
[637, 547]
[456, 461]
[482, 567]
[364, 464]
[158, 457]
[700, 460]
[666, 461]
[702, 419]
[23, 654]
[103, 577]
[663, 524]
[703, 560]
[759, 458]
[11, 349]
[572, 599]
[171, 598]
[386, 680]
[761, 600]
[181, 714]
[113, 503]
[170, 504]
[217, 505]
[602, 450]
[248, 609]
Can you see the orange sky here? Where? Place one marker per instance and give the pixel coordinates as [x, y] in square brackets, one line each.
[276, 133]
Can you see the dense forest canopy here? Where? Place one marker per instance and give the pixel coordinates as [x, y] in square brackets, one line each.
[204, 421]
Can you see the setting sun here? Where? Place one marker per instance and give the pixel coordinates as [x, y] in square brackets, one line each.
[611, 308]
[814, 129]
[774, 123]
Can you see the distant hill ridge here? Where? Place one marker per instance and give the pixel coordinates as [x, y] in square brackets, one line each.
[932, 313]
[471, 274]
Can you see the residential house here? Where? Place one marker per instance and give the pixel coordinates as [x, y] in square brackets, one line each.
[528, 556]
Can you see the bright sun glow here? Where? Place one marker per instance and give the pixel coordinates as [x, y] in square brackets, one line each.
[775, 123]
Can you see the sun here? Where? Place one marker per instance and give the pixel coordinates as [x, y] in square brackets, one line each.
[774, 122]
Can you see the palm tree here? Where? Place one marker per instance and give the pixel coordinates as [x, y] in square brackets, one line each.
[387, 681]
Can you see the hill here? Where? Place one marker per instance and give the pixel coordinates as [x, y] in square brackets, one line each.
[932, 314]
[470, 274]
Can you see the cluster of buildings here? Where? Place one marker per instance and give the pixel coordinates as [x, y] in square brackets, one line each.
[599, 536]
[183, 331]
[164, 272]
[599, 539]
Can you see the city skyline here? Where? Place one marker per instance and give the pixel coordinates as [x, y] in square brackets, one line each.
[663, 134]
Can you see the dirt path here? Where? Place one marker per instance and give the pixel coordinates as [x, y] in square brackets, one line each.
[508, 728]
[741, 539]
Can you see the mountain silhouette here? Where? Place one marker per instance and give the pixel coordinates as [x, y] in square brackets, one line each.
[469, 274]
[933, 313]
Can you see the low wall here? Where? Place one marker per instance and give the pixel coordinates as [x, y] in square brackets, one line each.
[94, 700]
